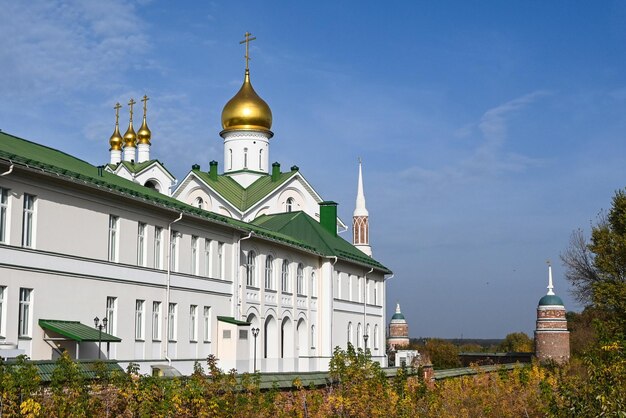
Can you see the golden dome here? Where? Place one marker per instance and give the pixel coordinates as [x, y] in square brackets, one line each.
[144, 134]
[130, 137]
[116, 139]
[246, 110]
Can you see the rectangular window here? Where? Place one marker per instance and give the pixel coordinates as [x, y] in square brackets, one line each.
[141, 244]
[24, 314]
[171, 329]
[156, 321]
[28, 221]
[158, 252]
[194, 255]
[113, 226]
[139, 315]
[4, 212]
[220, 260]
[3, 291]
[193, 324]
[206, 328]
[174, 251]
[111, 314]
[207, 257]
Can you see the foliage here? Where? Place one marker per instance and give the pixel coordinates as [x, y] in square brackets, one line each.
[19, 382]
[443, 354]
[517, 342]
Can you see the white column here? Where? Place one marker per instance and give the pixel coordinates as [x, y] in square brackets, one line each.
[143, 153]
[116, 156]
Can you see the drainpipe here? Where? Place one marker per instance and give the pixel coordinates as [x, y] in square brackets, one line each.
[165, 336]
[365, 305]
[9, 171]
[240, 286]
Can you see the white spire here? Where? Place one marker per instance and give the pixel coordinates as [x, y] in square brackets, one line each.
[550, 286]
[360, 209]
[398, 308]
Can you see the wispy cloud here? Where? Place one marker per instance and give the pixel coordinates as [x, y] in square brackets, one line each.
[56, 47]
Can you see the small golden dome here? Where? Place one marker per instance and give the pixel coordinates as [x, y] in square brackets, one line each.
[246, 110]
[130, 137]
[144, 134]
[116, 140]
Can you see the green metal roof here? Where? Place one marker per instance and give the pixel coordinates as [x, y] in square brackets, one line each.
[306, 233]
[88, 368]
[231, 320]
[77, 331]
[135, 168]
[397, 316]
[302, 227]
[240, 197]
[550, 300]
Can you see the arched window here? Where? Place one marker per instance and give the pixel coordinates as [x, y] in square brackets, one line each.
[312, 336]
[367, 335]
[269, 272]
[284, 275]
[300, 279]
[230, 159]
[359, 335]
[313, 287]
[250, 268]
[349, 332]
[245, 158]
[289, 204]
[199, 203]
[260, 159]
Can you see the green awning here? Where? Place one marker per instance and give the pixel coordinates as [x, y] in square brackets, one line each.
[231, 320]
[76, 331]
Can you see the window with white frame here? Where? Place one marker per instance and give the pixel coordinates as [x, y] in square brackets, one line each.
[199, 203]
[113, 232]
[3, 291]
[376, 337]
[251, 269]
[359, 335]
[139, 316]
[220, 260]
[158, 248]
[141, 244]
[174, 251]
[300, 279]
[194, 255]
[171, 329]
[245, 158]
[375, 293]
[313, 284]
[111, 314]
[269, 272]
[284, 276]
[260, 159]
[4, 213]
[349, 332]
[193, 323]
[156, 321]
[28, 223]
[289, 204]
[207, 257]
[206, 324]
[25, 312]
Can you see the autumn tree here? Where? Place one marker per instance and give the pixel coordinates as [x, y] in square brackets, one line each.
[517, 342]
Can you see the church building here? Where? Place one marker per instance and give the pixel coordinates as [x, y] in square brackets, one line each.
[121, 261]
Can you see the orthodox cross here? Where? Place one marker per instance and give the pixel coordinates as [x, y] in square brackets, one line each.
[131, 103]
[117, 108]
[247, 41]
[145, 107]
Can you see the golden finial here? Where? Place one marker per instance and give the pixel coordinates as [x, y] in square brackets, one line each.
[144, 134]
[130, 137]
[247, 41]
[116, 139]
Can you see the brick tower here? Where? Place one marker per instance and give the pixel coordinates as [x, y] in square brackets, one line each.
[398, 331]
[551, 335]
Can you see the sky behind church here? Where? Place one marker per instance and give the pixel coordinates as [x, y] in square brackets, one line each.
[489, 131]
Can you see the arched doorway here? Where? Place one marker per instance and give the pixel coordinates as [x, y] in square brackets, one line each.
[287, 344]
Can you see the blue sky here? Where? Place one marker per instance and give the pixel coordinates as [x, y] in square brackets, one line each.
[488, 130]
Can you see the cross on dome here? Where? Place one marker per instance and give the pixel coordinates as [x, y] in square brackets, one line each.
[249, 38]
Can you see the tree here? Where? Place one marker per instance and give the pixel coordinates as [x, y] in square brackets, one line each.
[516, 342]
[443, 354]
[579, 267]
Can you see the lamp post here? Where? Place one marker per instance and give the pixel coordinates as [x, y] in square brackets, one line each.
[255, 333]
[99, 325]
